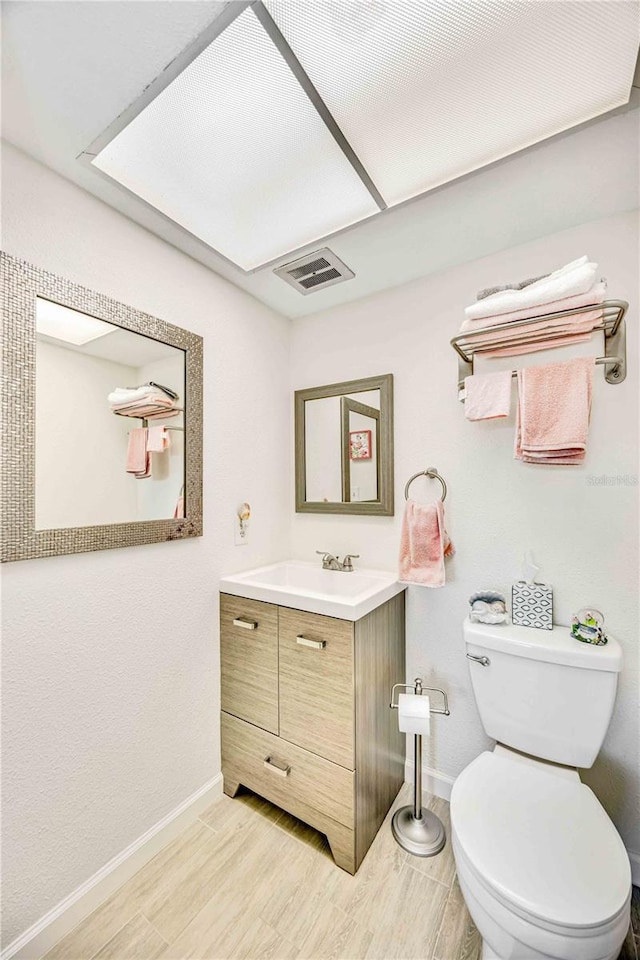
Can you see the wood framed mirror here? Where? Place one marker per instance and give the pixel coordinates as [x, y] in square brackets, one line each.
[344, 447]
[101, 418]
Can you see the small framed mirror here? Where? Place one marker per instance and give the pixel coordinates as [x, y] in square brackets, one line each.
[344, 447]
[102, 421]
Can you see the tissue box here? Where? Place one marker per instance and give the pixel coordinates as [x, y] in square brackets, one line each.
[532, 605]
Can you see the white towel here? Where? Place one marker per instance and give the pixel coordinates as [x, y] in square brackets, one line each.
[123, 394]
[573, 279]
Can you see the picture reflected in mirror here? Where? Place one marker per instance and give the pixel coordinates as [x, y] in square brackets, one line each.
[109, 422]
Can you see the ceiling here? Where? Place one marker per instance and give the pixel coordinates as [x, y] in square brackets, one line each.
[71, 67]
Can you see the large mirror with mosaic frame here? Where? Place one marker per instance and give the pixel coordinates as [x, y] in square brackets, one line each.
[344, 447]
[101, 420]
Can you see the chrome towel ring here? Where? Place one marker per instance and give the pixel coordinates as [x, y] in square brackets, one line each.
[429, 472]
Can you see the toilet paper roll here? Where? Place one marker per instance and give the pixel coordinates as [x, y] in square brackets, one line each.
[414, 714]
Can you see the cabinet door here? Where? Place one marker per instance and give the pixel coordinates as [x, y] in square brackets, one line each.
[249, 660]
[316, 684]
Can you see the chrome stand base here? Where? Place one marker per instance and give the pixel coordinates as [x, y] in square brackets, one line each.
[422, 838]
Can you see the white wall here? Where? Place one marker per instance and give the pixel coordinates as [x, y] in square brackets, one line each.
[110, 659]
[80, 446]
[585, 536]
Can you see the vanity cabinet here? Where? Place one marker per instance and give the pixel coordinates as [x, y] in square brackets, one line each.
[305, 715]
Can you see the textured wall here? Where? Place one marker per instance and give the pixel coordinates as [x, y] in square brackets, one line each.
[110, 659]
[585, 536]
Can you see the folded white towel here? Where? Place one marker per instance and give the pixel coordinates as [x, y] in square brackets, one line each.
[124, 394]
[573, 279]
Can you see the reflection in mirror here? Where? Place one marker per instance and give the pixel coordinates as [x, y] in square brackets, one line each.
[341, 447]
[360, 414]
[344, 447]
[109, 422]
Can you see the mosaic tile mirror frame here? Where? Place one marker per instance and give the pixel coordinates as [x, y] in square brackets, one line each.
[24, 287]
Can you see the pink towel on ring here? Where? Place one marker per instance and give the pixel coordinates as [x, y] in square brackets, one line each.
[424, 543]
[554, 407]
[487, 396]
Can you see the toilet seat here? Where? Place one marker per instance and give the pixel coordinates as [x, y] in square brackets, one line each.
[539, 842]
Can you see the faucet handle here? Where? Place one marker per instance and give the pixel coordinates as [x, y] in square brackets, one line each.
[346, 563]
[323, 553]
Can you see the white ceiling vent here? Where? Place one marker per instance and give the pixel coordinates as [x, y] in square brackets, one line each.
[316, 271]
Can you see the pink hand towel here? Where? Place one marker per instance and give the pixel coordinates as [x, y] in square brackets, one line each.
[554, 407]
[424, 543]
[137, 452]
[158, 439]
[487, 397]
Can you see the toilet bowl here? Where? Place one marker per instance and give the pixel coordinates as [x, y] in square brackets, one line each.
[542, 869]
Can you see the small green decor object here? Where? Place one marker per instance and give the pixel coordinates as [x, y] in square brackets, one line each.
[588, 626]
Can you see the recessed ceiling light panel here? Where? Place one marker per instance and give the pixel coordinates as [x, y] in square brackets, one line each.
[233, 151]
[428, 90]
[63, 323]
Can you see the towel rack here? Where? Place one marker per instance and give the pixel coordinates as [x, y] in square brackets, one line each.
[431, 472]
[145, 421]
[469, 344]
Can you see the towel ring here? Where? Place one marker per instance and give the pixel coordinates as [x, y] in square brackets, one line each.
[429, 472]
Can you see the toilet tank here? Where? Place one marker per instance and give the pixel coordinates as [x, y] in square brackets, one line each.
[542, 691]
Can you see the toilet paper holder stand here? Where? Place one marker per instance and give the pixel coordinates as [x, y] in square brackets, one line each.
[417, 830]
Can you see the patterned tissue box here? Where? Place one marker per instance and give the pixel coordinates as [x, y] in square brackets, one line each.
[532, 605]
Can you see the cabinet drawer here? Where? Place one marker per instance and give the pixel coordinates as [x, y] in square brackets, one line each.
[293, 775]
[249, 660]
[316, 684]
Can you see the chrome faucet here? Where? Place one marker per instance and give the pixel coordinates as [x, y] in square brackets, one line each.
[329, 562]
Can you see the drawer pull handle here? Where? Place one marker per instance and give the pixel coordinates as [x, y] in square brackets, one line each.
[247, 624]
[316, 644]
[282, 769]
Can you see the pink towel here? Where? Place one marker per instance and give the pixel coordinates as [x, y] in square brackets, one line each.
[137, 457]
[554, 406]
[158, 439]
[487, 397]
[516, 350]
[424, 543]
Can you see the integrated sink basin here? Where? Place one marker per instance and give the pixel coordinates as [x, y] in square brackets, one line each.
[306, 586]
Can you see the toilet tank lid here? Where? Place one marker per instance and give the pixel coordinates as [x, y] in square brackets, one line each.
[553, 646]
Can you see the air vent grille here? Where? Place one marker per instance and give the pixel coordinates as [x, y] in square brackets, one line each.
[317, 278]
[319, 264]
[315, 271]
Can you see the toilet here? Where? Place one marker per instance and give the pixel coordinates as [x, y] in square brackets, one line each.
[542, 869]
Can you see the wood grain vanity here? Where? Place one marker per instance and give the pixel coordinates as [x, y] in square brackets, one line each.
[305, 715]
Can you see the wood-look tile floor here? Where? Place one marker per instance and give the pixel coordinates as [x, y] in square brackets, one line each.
[248, 881]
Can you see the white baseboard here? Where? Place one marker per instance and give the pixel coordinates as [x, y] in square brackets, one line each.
[59, 921]
[433, 781]
[635, 867]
